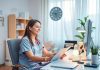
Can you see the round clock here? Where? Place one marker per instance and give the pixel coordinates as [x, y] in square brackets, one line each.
[56, 13]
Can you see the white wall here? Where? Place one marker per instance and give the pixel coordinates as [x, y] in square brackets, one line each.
[36, 11]
[35, 8]
[6, 7]
[9, 4]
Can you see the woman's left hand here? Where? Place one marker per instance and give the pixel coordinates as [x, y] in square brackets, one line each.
[52, 55]
[62, 56]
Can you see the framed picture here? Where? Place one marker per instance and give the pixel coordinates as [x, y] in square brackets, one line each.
[69, 43]
[1, 21]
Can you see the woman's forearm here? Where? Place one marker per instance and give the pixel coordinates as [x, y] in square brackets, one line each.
[47, 53]
[40, 59]
[34, 58]
[37, 59]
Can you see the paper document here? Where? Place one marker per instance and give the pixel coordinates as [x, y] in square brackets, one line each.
[58, 54]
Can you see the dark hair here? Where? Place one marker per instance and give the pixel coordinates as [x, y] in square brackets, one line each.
[27, 33]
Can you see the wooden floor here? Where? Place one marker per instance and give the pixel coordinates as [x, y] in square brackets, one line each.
[5, 67]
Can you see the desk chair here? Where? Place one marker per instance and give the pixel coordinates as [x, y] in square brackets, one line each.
[13, 46]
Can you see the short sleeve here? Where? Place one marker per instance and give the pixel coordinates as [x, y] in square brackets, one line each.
[25, 45]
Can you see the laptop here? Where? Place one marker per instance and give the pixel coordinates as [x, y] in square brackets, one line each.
[64, 65]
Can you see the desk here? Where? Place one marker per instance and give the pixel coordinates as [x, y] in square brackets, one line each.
[79, 67]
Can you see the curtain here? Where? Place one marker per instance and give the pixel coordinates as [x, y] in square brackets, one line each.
[65, 28]
[61, 30]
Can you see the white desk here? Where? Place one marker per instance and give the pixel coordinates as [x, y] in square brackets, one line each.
[80, 67]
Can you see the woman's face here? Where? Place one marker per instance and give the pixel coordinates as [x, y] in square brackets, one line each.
[36, 28]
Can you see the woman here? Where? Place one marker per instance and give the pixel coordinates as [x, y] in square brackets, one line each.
[32, 52]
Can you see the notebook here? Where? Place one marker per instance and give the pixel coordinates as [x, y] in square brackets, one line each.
[64, 65]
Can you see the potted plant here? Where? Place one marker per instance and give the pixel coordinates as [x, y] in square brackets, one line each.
[82, 28]
[94, 52]
[82, 32]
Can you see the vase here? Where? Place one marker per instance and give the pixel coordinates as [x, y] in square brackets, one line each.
[94, 59]
[81, 47]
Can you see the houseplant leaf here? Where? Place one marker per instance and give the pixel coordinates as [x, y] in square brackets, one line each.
[81, 22]
[78, 28]
[94, 50]
[85, 18]
[93, 27]
[82, 34]
[80, 37]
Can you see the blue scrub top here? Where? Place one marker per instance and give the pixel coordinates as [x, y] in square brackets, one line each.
[26, 46]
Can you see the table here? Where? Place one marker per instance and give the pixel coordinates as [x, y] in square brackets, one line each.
[79, 67]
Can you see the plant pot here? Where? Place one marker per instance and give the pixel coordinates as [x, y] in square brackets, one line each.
[94, 59]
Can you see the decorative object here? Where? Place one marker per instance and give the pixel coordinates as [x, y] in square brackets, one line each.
[94, 52]
[70, 44]
[75, 53]
[56, 13]
[24, 15]
[2, 20]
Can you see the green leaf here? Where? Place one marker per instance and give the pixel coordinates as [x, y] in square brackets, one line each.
[94, 50]
[78, 28]
[79, 36]
[82, 34]
[85, 18]
[81, 22]
[93, 27]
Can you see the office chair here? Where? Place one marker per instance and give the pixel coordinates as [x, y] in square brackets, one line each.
[13, 46]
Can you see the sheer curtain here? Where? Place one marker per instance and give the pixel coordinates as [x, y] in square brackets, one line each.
[61, 30]
[65, 28]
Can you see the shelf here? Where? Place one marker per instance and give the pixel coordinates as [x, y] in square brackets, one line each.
[20, 18]
[20, 29]
[16, 26]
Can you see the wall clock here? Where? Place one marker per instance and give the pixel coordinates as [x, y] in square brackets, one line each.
[56, 13]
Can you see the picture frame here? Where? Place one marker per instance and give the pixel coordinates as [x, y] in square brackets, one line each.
[69, 43]
[2, 20]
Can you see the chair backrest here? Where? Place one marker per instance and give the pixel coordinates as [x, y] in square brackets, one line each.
[14, 46]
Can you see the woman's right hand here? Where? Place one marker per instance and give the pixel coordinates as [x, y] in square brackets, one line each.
[46, 59]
